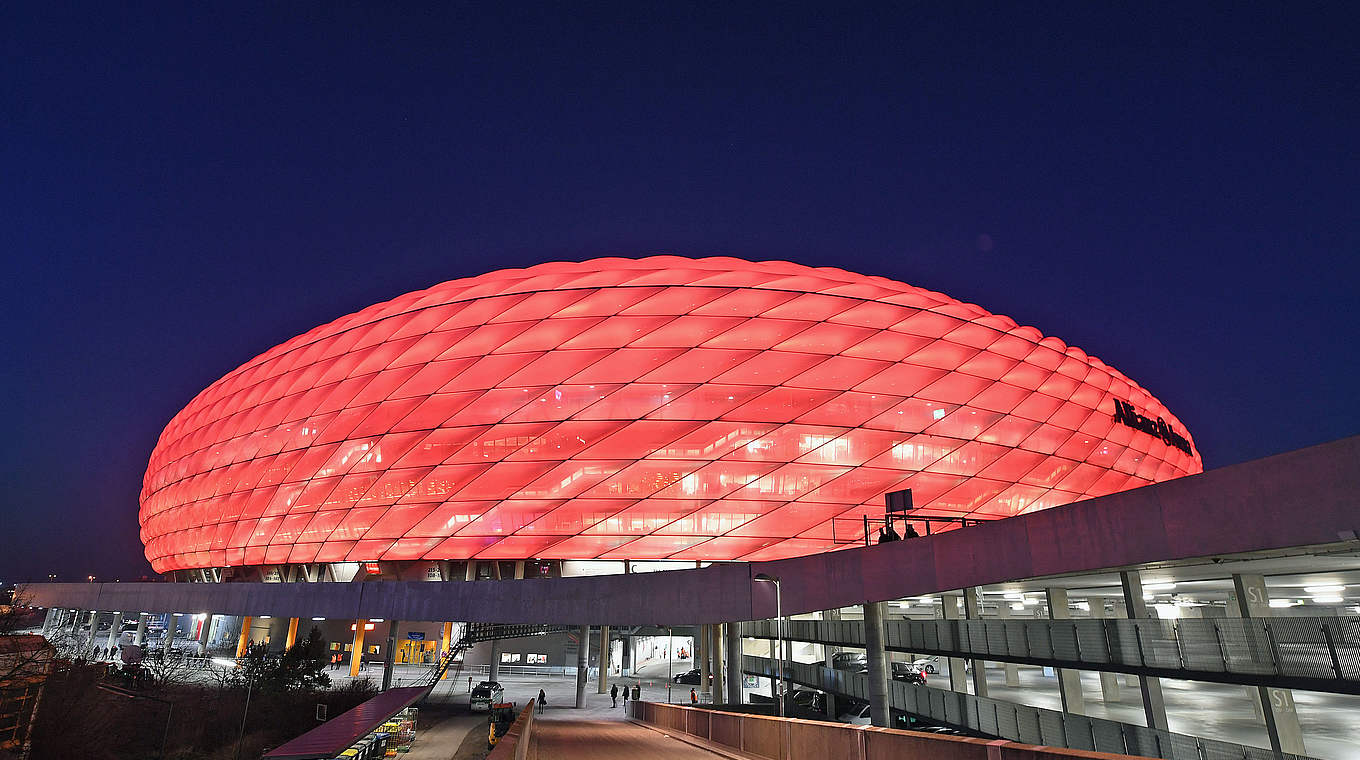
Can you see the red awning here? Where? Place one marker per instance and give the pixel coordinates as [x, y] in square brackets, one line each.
[336, 735]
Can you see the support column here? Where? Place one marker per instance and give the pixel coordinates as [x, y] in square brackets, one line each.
[356, 650]
[734, 676]
[603, 682]
[972, 609]
[445, 643]
[389, 653]
[243, 640]
[1109, 682]
[291, 639]
[204, 634]
[1277, 705]
[716, 658]
[94, 629]
[139, 638]
[1069, 681]
[582, 664]
[878, 664]
[829, 660]
[170, 629]
[493, 671]
[47, 620]
[1012, 671]
[958, 679]
[75, 622]
[114, 631]
[701, 659]
[1154, 707]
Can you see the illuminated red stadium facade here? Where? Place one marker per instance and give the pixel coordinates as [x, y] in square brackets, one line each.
[710, 409]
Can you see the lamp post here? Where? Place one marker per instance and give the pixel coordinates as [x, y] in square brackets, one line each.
[670, 660]
[779, 634]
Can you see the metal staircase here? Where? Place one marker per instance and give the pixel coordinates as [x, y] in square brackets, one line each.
[478, 632]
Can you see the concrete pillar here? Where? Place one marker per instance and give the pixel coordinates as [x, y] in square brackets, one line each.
[972, 609]
[356, 651]
[1069, 681]
[1277, 705]
[204, 634]
[445, 644]
[734, 676]
[493, 671]
[958, 679]
[243, 640]
[389, 653]
[828, 660]
[94, 629]
[519, 570]
[582, 664]
[776, 665]
[139, 638]
[471, 574]
[47, 621]
[878, 664]
[1012, 671]
[291, 638]
[75, 622]
[716, 658]
[170, 628]
[1154, 706]
[602, 686]
[701, 660]
[115, 631]
[1109, 682]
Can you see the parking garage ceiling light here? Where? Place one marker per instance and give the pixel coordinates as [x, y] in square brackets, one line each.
[1324, 589]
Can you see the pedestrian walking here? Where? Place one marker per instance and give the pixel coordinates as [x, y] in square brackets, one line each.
[614, 695]
[693, 697]
[625, 697]
[542, 700]
[470, 685]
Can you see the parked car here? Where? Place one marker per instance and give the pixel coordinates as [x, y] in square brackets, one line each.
[486, 694]
[856, 713]
[907, 671]
[856, 661]
[927, 664]
[688, 677]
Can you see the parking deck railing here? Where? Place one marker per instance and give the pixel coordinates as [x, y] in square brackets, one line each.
[1017, 722]
[1315, 653]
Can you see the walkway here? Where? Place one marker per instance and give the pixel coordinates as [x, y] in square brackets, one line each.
[561, 739]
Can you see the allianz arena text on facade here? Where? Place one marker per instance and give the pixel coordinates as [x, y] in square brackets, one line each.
[656, 408]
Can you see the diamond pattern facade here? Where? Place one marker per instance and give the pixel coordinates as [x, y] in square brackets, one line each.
[664, 407]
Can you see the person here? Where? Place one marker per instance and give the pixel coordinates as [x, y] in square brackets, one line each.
[614, 695]
[693, 697]
[911, 532]
[470, 685]
[625, 697]
[542, 700]
[637, 692]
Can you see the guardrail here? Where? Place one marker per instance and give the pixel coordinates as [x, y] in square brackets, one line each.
[1017, 722]
[1315, 653]
[793, 739]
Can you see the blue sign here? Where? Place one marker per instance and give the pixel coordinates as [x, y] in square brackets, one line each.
[415, 635]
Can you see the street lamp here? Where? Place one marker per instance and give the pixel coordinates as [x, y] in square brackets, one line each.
[779, 634]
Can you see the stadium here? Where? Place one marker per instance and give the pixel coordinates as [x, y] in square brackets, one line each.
[658, 409]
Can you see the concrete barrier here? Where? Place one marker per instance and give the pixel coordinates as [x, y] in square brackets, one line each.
[519, 740]
[762, 736]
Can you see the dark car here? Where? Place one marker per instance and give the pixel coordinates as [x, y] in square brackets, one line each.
[486, 694]
[813, 701]
[907, 671]
[688, 677]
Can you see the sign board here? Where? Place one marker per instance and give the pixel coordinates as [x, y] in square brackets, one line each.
[415, 635]
[898, 501]
[321, 712]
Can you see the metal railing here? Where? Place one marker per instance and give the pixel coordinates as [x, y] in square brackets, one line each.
[1317, 653]
[1017, 722]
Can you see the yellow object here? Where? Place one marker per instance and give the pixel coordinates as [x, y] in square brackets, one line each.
[356, 655]
[242, 642]
[292, 634]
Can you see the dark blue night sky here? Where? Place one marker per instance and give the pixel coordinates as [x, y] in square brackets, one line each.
[1173, 189]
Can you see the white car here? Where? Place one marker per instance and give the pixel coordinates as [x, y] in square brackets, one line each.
[857, 715]
[926, 665]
